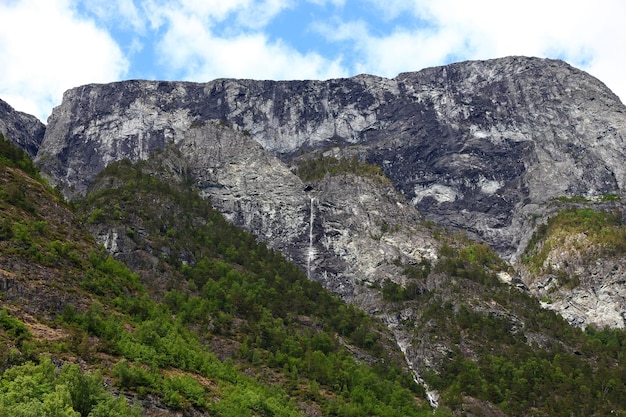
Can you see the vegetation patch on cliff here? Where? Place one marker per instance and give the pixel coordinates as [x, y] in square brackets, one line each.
[316, 168]
[598, 233]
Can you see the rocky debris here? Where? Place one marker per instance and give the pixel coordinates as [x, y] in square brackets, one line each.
[21, 129]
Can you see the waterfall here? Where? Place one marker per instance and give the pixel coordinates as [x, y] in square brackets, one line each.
[311, 250]
[431, 395]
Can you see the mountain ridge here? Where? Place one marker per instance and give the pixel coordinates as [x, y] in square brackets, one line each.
[409, 121]
[233, 330]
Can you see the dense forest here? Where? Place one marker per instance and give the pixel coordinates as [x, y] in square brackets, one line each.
[194, 314]
[286, 345]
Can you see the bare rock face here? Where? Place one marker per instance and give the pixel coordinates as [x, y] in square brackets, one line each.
[345, 231]
[582, 282]
[370, 229]
[21, 129]
[250, 186]
[475, 145]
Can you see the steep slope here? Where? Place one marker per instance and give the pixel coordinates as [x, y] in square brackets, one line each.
[575, 262]
[484, 147]
[231, 328]
[48, 262]
[440, 313]
[223, 318]
[260, 311]
[332, 229]
[44, 249]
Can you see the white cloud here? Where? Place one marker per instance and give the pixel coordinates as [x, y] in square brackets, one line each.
[258, 15]
[589, 35]
[123, 13]
[46, 49]
[192, 51]
[400, 51]
[338, 3]
[247, 13]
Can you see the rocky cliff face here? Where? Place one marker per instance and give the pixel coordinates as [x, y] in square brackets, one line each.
[479, 146]
[346, 231]
[579, 270]
[475, 145]
[21, 129]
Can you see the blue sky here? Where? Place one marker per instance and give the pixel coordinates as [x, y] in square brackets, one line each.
[49, 46]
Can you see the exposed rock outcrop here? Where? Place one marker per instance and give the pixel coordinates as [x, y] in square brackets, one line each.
[21, 129]
[484, 147]
[351, 233]
[581, 280]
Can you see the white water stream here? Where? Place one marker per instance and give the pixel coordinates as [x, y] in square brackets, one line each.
[433, 396]
[311, 250]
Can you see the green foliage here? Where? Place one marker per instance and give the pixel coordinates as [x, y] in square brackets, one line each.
[13, 156]
[395, 292]
[603, 231]
[20, 196]
[183, 391]
[134, 377]
[159, 342]
[610, 197]
[109, 277]
[97, 216]
[33, 239]
[580, 199]
[418, 271]
[317, 168]
[473, 261]
[16, 329]
[15, 194]
[540, 380]
[512, 370]
[480, 254]
[45, 390]
[573, 199]
[588, 220]
[289, 343]
[15, 340]
[240, 290]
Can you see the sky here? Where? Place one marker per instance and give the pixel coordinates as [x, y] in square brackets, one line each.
[50, 46]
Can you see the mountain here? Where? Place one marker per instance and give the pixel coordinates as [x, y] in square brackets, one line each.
[486, 147]
[454, 205]
[472, 144]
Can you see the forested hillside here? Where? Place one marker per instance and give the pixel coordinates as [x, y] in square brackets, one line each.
[183, 312]
[231, 328]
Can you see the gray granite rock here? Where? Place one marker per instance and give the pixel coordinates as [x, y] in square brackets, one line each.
[21, 129]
